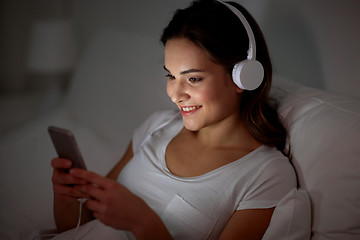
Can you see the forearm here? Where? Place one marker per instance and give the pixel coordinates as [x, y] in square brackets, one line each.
[66, 214]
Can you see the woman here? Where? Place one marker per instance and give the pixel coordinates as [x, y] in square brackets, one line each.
[210, 170]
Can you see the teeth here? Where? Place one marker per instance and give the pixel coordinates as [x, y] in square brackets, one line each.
[187, 109]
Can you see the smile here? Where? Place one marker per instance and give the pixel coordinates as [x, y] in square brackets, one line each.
[189, 109]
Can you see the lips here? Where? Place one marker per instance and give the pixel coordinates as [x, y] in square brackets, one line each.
[188, 110]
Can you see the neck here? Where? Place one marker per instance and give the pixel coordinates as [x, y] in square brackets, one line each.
[229, 132]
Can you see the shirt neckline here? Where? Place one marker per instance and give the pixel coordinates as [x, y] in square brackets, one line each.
[178, 127]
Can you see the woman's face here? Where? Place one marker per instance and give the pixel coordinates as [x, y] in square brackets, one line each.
[202, 90]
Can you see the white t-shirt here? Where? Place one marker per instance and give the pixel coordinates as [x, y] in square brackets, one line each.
[199, 207]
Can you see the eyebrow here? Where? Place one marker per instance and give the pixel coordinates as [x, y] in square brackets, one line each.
[186, 71]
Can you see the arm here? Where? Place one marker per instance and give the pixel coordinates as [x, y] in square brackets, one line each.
[248, 224]
[66, 206]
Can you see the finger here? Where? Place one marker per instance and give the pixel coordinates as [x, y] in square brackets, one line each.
[91, 190]
[69, 191]
[91, 177]
[62, 177]
[94, 205]
[61, 163]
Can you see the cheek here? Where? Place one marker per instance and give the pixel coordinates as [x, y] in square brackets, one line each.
[205, 96]
[210, 94]
[219, 96]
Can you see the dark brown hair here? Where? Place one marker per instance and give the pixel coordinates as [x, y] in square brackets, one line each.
[216, 29]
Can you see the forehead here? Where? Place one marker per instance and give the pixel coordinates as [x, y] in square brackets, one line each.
[182, 50]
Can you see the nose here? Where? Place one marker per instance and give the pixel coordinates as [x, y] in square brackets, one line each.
[177, 91]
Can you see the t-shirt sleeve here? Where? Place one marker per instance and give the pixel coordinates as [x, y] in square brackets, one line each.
[152, 122]
[269, 185]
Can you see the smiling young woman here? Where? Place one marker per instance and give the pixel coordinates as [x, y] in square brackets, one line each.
[226, 46]
[211, 169]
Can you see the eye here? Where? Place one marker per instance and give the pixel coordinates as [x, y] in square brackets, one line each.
[170, 77]
[194, 80]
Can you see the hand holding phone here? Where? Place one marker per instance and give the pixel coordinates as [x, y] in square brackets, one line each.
[66, 146]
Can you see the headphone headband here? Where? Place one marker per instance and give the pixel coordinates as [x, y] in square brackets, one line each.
[252, 45]
[249, 73]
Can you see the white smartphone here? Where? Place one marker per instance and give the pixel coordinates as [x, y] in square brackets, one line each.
[66, 146]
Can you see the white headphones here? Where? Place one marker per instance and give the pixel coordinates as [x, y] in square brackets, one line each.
[247, 74]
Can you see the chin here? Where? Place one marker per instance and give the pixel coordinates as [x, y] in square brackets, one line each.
[191, 126]
[191, 129]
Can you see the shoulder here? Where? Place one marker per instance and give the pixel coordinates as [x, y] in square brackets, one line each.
[270, 177]
[157, 119]
[154, 121]
[160, 117]
[273, 164]
[271, 158]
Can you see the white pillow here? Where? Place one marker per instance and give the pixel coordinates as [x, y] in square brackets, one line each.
[291, 219]
[324, 131]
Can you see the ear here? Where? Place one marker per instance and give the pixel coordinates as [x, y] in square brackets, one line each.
[238, 90]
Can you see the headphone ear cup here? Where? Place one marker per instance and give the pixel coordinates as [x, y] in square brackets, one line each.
[248, 74]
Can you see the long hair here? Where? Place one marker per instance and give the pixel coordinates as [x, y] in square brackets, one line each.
[216, 29]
